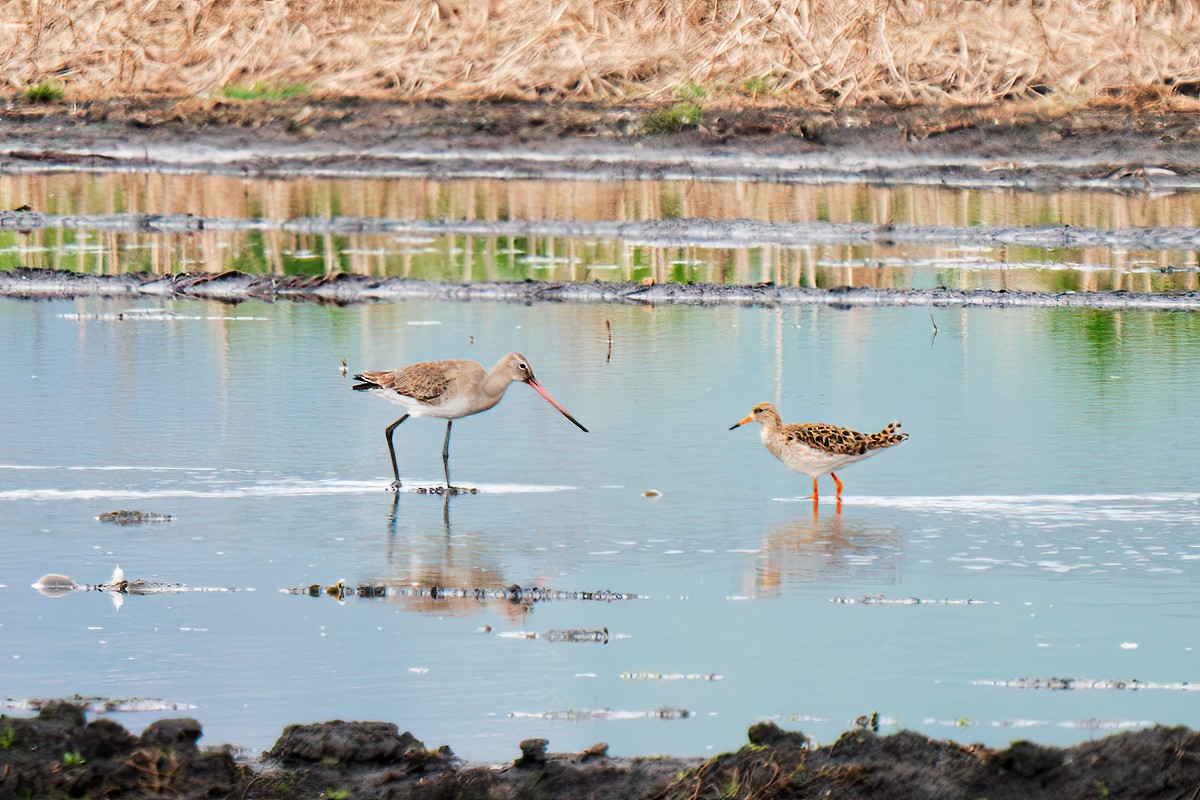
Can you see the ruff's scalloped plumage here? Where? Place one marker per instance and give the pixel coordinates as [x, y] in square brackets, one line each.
[817, 448]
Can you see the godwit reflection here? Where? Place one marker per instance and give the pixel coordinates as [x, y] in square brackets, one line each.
[434, 558]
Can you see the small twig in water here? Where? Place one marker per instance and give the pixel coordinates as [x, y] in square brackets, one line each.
[608, 326]
[935, 328]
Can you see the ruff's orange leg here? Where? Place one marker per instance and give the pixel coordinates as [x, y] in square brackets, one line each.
[815, 495]
[839, 485]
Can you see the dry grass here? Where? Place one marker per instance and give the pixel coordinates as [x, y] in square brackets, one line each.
[824, 53]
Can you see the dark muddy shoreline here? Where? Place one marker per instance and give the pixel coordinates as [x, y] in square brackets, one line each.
[59, 753]
[1023, 145]
[346, 289]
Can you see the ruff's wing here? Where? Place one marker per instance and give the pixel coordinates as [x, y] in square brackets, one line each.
[827, 438]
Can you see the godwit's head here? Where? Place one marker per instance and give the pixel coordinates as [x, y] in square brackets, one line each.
[765, 413]
[516, 367]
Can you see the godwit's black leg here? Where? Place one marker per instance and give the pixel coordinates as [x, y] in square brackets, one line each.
[392, 451]
[446, 454]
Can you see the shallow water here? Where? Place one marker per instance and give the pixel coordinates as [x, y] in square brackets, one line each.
[1043, 513]
[810, 235]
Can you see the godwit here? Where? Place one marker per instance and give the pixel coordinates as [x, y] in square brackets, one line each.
[816, 448]
[449, 390]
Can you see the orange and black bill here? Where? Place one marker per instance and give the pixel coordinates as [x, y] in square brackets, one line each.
[538, 388]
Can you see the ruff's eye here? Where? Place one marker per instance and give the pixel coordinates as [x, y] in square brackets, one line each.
[523, 367]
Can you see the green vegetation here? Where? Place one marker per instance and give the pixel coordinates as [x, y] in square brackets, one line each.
[682, 115]
[757, 86]
[44, 92]
[285, 786]
[678, 117]
[336, 794]
[690, 92]
[72, 759]
[9, 737]
[263, 91]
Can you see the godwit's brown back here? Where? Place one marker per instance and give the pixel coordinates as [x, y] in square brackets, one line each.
[447, 389]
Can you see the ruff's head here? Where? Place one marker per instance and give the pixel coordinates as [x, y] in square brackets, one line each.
[765, 413]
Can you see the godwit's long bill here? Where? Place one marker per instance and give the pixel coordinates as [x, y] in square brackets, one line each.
[817, 448]
[449, 390]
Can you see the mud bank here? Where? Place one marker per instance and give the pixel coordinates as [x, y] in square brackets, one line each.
[345, 289]
[60, 753]
[1018, 145]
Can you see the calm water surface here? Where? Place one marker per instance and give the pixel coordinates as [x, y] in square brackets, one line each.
[1049, 479]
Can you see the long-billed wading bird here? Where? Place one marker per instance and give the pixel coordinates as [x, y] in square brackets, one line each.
[449, 390]
[817, 448]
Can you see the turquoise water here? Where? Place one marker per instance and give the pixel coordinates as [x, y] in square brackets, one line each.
[1049, 480]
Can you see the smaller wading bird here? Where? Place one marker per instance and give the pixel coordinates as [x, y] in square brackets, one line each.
[816, 448]
[449, 390]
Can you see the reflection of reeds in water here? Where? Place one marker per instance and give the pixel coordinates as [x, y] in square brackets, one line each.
[826, 550]
[278, 248]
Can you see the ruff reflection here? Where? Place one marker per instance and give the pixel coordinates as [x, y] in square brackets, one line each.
[829, 550]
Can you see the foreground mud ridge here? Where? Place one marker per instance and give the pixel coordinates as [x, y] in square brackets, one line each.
[60, 753]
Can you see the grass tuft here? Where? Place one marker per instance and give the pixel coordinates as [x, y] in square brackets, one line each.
[757, 86]
[690, 92]
[262, 91]
[43, 92]
[679, 117]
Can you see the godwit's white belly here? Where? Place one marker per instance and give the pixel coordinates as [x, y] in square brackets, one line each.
[453, 407]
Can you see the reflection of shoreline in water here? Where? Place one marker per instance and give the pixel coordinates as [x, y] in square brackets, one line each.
[826, 549]
[620, 230]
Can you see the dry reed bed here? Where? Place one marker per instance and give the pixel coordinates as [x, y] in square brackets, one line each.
[824, 53]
